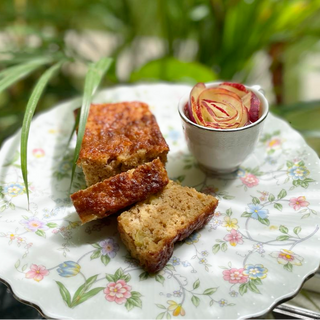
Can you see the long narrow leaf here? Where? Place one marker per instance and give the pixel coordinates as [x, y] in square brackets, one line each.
[20, 66]
[31, 106]
[76, 123]
[93, 78]
[11, 75]
[283, 110]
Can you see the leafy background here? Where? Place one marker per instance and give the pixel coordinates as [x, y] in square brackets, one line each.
[271, 42]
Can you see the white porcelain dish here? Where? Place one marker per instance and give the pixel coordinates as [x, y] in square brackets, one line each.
[220, 151]
[259, 248]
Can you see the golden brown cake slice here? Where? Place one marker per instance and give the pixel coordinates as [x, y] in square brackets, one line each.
[150, 228]
[119, 137]
[120, 191]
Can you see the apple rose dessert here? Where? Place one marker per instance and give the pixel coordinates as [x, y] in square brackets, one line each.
[226, 106]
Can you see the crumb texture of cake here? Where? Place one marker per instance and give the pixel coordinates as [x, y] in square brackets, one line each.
[118, 192]
[150, 228]
[119, 137]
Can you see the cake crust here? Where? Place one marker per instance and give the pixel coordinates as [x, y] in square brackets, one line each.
[118, 192]
[119, 137]
[149, 234]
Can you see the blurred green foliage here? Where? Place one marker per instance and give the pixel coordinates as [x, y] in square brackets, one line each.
[196, 40]
[174, 70]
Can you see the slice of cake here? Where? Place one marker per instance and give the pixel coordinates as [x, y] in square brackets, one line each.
[150, 228]
[118, 192]
[119, 137]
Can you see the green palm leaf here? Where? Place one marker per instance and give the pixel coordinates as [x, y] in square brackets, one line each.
[93, 78]
[76, 123]
[31, 106]
[11, 75]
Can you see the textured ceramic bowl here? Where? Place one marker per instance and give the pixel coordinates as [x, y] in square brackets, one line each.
[221, 151]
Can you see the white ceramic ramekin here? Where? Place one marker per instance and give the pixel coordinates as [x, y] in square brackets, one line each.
[221, 151]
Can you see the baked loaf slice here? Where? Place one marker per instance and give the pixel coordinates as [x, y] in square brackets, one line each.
[150, 228]
[119, 137]
[120, 191]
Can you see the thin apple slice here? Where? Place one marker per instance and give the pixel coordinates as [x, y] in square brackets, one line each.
[252, 103]
[236, 88]
[193, 99]
[196, 113]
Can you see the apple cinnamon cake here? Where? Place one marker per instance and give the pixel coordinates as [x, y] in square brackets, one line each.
[150, 228]
[118, 192]
[119, 137]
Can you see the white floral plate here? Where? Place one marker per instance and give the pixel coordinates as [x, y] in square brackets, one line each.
[259, 248]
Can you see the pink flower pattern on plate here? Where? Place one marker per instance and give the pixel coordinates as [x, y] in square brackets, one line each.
[299, 202]
[287, 256]
[250, 180]
[234, 275]
[117, 291]
[37, 272]
[38, 153]
[234, 238]
[274, 144]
